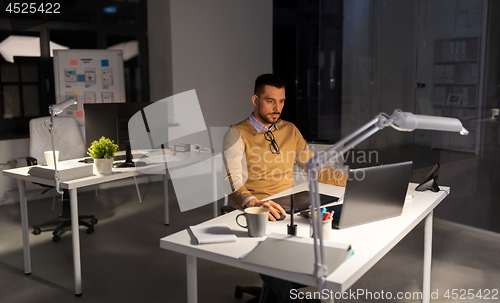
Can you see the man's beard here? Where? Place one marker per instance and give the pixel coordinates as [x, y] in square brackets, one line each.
[267, 120]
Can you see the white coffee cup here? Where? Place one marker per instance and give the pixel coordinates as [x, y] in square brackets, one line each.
[49, 157]
[256, 220]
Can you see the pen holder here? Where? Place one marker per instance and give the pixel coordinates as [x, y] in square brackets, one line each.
[326, 226]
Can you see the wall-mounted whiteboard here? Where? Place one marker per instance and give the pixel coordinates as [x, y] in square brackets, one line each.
[89, 76]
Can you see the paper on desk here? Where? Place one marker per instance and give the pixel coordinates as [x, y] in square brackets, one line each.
[295, 254]
[213, 233]
[164, 158]
[157, 155]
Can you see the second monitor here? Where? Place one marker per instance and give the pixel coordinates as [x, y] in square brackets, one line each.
[110, 120]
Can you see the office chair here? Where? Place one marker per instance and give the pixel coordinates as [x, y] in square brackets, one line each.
[68, 140]
[261, 294]
[30, 161]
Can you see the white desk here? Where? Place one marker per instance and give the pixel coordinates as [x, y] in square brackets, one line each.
[370, 243]
[22, 176]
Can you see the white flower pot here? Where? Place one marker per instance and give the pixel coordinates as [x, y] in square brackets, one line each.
[103, 166]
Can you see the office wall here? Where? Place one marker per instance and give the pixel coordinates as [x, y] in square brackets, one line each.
[160, 50]
[380, 39]
[356, 65]
[217, 48]
[388, 47]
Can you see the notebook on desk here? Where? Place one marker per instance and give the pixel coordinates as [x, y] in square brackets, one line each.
[296, 254]
[373, 194]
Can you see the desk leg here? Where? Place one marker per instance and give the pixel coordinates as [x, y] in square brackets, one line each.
[21, 184]
[165, 198]
[215, 209]
[75, 237]
[192, 279]
[138, 191]
[214, 188]
[426, 287]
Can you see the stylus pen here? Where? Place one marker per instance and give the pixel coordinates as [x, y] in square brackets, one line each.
[292, 228]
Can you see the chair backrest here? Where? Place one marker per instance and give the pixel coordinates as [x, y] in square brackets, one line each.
[67, 138]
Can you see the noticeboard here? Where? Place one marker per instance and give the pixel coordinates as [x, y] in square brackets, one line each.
[89, 76]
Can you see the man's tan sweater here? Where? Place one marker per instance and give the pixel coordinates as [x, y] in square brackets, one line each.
[254, 170]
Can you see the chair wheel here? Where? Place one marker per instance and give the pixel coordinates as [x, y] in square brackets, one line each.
[238, 293]
[90, 230]
[56, 238]
[37, 231]
[93, 221]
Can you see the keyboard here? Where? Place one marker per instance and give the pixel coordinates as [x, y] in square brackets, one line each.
[117, 158]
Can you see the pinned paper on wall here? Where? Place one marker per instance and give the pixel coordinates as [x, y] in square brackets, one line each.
[107, 77]
[107, 97]
[104, 62]
[80, 78]
[70, 76]
[89, 97]
[73, 62]
[79, 114]
[89, 77]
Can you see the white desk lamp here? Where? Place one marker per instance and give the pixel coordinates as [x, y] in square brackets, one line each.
[54, 110]
[399, 120]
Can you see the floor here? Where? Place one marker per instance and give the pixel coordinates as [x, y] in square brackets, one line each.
[122, 260]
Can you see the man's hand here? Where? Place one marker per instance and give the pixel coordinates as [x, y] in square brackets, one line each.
[274, 208]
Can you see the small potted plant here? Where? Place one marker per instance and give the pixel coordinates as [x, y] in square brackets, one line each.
[103, 152]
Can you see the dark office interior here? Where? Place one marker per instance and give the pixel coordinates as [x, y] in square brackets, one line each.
[343, 62]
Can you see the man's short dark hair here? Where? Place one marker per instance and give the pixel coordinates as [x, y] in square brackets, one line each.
[267, 79]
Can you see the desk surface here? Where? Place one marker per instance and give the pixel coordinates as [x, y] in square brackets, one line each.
[117, 174]
[370, 242]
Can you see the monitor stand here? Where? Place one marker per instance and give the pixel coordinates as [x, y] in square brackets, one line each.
[128, 159]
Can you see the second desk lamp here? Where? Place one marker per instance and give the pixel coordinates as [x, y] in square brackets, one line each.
[54, 110]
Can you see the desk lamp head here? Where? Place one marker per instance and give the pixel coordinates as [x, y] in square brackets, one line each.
[405, 121]
[56, 109]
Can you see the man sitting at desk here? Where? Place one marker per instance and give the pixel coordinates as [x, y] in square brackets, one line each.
[269, 146]
[260, 153]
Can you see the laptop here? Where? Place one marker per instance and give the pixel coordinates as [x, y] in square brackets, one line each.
[301, 201]
[373, 194]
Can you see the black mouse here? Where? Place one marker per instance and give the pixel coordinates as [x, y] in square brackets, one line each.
[282, 217]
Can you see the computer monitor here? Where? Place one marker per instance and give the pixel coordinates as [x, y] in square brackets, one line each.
[110, 120]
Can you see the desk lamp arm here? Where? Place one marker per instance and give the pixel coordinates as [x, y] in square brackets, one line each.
[399, 120]
[54, 110]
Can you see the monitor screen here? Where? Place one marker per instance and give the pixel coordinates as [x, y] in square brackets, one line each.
[110, 120]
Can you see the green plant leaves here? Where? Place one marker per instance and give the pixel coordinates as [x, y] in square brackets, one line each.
[102, 149]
